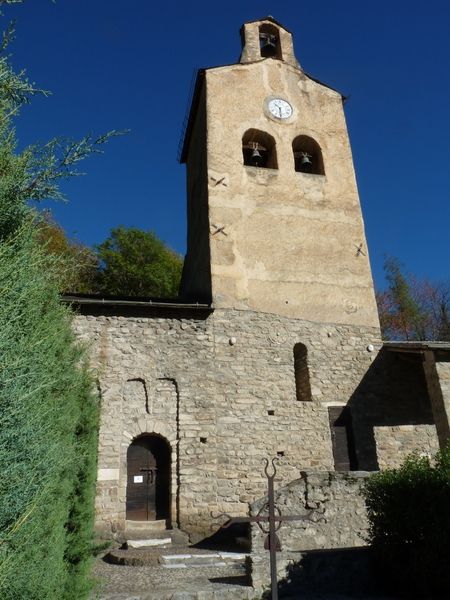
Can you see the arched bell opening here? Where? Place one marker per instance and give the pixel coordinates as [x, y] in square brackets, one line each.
[258, 149]
[269, 41]
[307, 156]
[148, 479]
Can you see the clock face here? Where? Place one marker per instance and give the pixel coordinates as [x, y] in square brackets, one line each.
[279, 108]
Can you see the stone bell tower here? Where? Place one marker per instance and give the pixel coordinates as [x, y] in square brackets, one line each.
[274, 219]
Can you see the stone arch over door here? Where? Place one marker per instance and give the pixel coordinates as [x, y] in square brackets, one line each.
[148, 490]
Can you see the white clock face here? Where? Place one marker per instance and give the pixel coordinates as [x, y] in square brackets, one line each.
[279, 108]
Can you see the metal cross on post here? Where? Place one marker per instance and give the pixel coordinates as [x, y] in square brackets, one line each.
[271, 543]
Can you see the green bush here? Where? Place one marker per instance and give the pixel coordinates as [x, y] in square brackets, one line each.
[48, 432]
[48, 414]
[409, 517]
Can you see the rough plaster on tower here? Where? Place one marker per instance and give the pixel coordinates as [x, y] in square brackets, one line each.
[280, 241]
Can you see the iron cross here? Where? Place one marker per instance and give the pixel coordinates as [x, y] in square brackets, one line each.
[271, 543]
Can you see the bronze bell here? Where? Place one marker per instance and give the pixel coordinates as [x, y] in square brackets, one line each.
[256, 159]
[268, 45]
[270, 40]
[305, 159]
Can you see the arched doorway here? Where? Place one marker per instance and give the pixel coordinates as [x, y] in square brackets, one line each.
[148, 479]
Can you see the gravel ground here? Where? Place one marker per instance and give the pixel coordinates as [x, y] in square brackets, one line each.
[118, 582]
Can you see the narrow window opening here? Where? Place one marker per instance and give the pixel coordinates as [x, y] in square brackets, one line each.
[269, 42]
[307, 156]
[271, 413]
[258, 149]
[342, 439]
[302, 383]
[280, 453]
[203, 440]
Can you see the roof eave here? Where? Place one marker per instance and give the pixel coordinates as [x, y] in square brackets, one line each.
[270, 19]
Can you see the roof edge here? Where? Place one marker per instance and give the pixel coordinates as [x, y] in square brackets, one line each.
[134, 302]
[189, 120]
[416, 346]
[268, 18]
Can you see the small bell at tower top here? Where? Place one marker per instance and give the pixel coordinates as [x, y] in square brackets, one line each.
[268, 39]
[268, 45]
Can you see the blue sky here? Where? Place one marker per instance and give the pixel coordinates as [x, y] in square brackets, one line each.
[129, 64]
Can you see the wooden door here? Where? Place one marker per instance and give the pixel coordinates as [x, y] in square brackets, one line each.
[342, 438]
[141, 482]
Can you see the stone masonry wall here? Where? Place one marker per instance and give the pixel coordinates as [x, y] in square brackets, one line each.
[233, 402]
[391, 412]
[220, 388]
[339, 521]
[437, 372]
[397, 442]
[443, 370]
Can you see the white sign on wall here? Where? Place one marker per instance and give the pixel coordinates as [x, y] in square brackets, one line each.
[138, 479]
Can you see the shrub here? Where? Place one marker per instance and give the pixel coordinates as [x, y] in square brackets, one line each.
[48, 431]
[409, 517]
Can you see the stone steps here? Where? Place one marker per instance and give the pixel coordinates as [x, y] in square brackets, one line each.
[178, 558]
[139, 534]
[231, 560]
[153, 526]
[221, 593]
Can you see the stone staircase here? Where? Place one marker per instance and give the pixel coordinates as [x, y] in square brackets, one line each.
[177, 570]
[145, 534]
[179, 557]
[232, 561]
[148, 543]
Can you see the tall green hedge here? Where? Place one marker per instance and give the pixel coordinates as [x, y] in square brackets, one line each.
[409, 516]
[48, 413]
[48, 425]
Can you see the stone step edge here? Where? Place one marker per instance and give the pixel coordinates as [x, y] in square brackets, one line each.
[218, 565]
[157, 525]
[188, 561]
[150, 543]
[232, 556]
[178, 537]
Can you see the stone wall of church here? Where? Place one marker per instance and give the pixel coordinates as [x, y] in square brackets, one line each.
[391, 412]
[220, 387]
[396, 442]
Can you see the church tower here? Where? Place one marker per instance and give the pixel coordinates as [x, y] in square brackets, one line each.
[274, 218]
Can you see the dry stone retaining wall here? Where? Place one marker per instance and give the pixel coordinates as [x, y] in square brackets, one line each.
[339, 520]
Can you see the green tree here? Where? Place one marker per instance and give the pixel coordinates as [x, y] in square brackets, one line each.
[409, 525]
[412, 308]
[79, 263]
[48, 412]
[134, 262]
[407, 314]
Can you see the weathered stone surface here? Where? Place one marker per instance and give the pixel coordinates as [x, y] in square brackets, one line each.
[396, 442]
[339, 520]
[222, 393]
